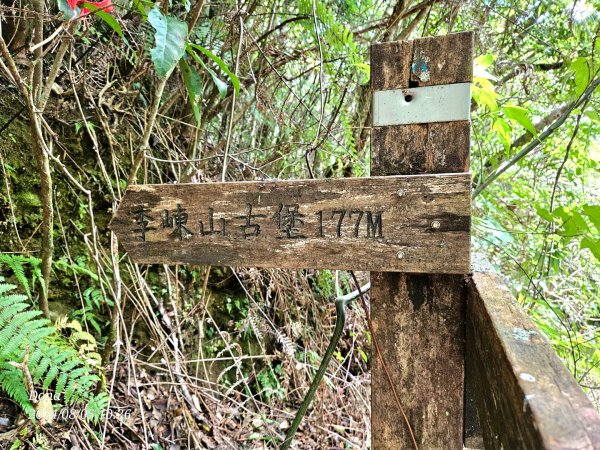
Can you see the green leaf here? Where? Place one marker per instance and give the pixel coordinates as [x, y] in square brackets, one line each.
[593, 245]
[484, 93]
[193, 83]
[140, 6]
[501, 127]
[232, 76]
[572, 222]
[106, 17]
[581, 70]
[65, 8]
[221, 85]
[170, 37]
[593, 213]
[484, 61]
[593, 115]
[544, 213]
[521, 116]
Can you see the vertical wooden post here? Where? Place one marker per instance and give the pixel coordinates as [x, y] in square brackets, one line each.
[419, 319]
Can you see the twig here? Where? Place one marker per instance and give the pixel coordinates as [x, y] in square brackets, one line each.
[195, 15]
[38, 53]
[313, 148]
[41, 155]
[23, 367]
[48, 39]
[58, 59]
[414, 23]
[547, 132]
[10, 202]
[565, 159]
[233, 101]
[158, 92]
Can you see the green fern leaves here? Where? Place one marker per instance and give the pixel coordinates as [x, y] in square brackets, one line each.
[17, 264]
[52, 362]
[338, 37]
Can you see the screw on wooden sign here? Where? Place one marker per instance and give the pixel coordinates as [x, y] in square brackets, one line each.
[348, 223]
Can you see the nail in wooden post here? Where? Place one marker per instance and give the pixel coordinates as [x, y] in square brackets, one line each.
[419, 319]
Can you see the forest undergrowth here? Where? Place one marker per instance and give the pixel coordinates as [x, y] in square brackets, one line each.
[101, 95]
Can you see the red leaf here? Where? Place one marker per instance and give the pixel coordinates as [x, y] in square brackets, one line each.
[104, 5]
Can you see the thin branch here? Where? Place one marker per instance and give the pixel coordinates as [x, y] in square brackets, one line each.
[38, 53]
[158, 92]
[565, 159]
[195, 15]
[321, 96]
[41, 153]
[540, 125]
[522, 68]
[405, 34]
[280, 26]
[58, 59]
[533, 145]
[394, 20]
[233, 101]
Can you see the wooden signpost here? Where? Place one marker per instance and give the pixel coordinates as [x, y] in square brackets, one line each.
[412, 218]
[401, 223]
[419, 319]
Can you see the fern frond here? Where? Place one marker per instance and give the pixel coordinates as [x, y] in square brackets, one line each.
[5, 287]
[52, 360]
[9, 311]
[96, 407]
[11, 380]
[46, 360]
[61, 383]
[12, 298]
[50, 377]
[83, 336]
[16, 263]
[28, 332]
[286, 343]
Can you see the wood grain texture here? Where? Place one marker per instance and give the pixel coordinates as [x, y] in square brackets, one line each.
[402, 223]
[391, 62]
[420, 317]
[418, 322]
[421, 148]
[526, 397]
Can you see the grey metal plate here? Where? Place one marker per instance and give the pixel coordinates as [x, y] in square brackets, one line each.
[442, 103]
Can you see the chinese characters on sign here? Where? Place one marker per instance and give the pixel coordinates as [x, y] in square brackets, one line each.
[286, 221]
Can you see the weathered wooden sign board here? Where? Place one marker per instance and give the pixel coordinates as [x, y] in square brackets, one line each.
[415, 223]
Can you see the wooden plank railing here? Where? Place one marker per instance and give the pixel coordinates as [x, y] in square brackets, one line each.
[524, 395]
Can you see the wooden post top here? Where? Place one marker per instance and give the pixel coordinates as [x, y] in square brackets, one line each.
[422, 62]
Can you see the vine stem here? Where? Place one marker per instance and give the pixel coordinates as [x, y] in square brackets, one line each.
[158, 92]
[547, 132]
[340, 320]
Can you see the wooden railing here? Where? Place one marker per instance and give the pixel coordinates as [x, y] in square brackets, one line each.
[523, 395]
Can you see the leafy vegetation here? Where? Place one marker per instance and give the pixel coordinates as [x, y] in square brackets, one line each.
[33, 354]
[190, 91]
